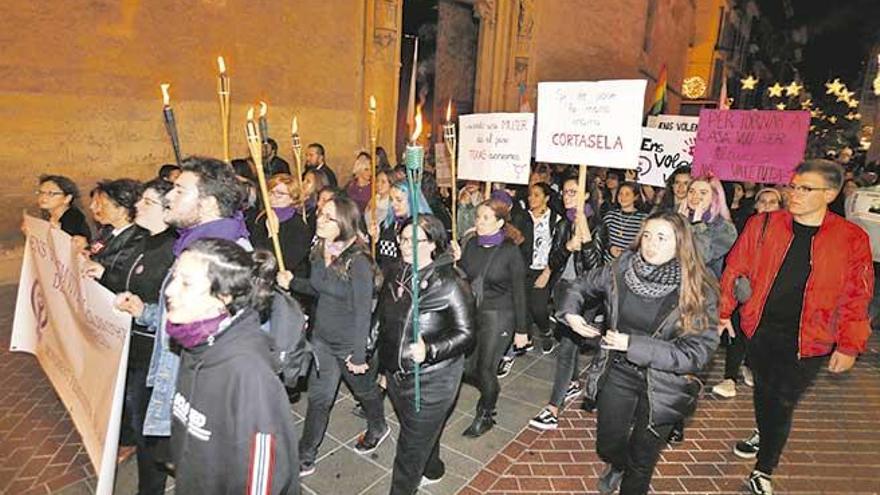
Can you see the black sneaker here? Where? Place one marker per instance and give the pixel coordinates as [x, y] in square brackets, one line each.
[367, 443]
[574, 389]
[610, 480]
[548, 344]
[544, 420]
[748, 448]
[520, 351]
[505, 366]
[306, 469]
[676, 436]
[760, 483]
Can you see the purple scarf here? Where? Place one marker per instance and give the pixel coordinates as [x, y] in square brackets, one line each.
[285, 213]
[491, 240]
[225, 228]
[194, 333]
[571, 212]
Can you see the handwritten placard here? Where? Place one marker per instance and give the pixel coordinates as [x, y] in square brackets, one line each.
[674, 122]
[751, 145]
[495, 147]
[442, 165]
[590, 123]
[663, 152]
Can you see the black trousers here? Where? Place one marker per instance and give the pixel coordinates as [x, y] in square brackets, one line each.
[736, 350]
[151, 479]
[538, 304]
[780, 381]
[493, 337]
[322, 391]
[622, 437]
[418, 445]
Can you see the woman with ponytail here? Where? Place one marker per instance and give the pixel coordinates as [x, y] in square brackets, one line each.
[494, 265]
[662, 307]
[232, 429]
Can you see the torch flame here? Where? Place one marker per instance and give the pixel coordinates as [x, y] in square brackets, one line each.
[166, 98]
[221, 64]
[293, 127]
[449, 111]
[372, 103]
[250, 113]
[263, 108]
[418, 124]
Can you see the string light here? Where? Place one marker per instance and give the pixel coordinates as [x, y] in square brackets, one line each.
[834, 87]
[853, 103]
[780, 106]
[808, 103]
[749, 82]
[793, 89]
[775, 90]
[844, 95]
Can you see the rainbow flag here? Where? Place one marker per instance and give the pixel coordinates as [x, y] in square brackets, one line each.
[659, 104]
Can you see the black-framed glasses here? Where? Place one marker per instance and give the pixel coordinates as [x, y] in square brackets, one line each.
[800, 189]
[48, 193]
[408, 240]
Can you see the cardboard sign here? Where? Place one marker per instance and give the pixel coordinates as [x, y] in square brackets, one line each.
[442, 165]
[590, 123]
[80, 340]
[662, 152]
[674, 122]
[761, 146]
[495, 147]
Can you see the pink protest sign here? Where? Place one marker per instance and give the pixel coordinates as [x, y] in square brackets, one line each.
[750, 145]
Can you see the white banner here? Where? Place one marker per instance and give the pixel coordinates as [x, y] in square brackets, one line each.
[79, 339]
[674, 122]
[495, 147]
[662, 152]
[590, 123]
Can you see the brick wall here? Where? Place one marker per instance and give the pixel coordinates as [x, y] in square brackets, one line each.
[79, 84]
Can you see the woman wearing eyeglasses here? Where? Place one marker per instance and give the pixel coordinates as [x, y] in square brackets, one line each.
[446, 331]
[387, 249]
[293, 232]
[342, 277]
[58, 197]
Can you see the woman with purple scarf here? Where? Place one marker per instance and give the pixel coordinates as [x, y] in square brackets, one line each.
[494, 266]
[293, 232]
[577, 248]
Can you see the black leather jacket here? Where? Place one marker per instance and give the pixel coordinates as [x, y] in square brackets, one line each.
[446, 318]
[589, 257]
[671, 359]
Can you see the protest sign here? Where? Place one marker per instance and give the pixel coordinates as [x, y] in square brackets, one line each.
[590, 123]
[674, 122]
[68, 322]
[495, 147]
[662, 152]
[442, 166]
[750, 145]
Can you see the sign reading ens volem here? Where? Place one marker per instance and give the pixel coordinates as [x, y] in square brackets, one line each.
[590, 123]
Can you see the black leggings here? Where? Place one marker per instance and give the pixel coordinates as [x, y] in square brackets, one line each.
[736, 350]
[538, 303]
[493, 337]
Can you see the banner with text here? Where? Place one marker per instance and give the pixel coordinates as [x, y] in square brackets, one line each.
[674, 122]
[79, 339]
[590, 123]
[495, 147]
[662, 152]
[751, 145]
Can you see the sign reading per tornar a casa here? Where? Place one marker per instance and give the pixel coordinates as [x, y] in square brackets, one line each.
[590, 123]
[495, 147]
[750, 145]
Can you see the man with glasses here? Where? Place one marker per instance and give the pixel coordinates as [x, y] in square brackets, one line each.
[811, 280]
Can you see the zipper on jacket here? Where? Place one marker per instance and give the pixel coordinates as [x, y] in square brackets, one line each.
[131, 271]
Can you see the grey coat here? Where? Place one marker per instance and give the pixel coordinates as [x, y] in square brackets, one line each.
[671, 359]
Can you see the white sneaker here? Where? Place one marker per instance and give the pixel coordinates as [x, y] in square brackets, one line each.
[726, 389]
[760, 483]
[748, 377]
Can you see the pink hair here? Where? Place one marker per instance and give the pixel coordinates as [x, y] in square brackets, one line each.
[718, 204]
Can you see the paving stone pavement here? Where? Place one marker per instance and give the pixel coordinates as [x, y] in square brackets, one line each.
[835, 447]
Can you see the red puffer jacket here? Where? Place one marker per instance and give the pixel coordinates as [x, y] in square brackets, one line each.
[839, 288]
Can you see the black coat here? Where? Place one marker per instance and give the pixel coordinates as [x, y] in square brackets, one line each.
[117, 255]
[295, 238]
[671, 359]
[74, 223]
[446, 318]
[588, 258]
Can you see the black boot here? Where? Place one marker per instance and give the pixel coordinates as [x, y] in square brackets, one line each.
[482, 423]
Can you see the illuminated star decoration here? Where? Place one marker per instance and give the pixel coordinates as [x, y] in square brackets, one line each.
[853, 103]
[832, 119]
[834, 87]
[817, 113]
[844, 95]
[780, 106]
[793, 89]
[775, 90]
[749, 82]
[853, 116]
[808, 103]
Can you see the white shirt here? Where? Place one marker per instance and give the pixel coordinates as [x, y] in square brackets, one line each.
[542, 240]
